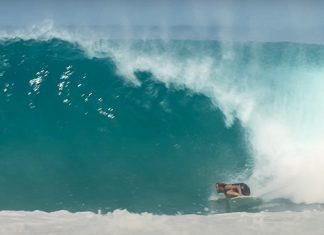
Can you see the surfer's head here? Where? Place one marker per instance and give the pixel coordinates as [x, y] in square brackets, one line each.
[220, 187]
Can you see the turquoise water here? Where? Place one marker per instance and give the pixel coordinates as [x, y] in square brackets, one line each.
[150, 126]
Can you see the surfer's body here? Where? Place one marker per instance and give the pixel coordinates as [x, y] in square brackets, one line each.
[233, 190]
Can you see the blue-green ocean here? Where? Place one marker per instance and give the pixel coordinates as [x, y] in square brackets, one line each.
[151, 125]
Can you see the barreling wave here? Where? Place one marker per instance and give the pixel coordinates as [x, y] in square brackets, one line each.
[273, 89]
[149, 125]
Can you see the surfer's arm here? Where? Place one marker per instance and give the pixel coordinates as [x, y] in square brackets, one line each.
[238, 187]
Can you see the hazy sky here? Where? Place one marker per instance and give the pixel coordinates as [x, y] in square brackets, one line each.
[303, 18]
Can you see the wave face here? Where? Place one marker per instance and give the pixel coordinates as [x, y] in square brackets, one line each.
[77, 135]
[150, 125]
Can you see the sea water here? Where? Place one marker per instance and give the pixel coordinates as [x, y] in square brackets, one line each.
[130, 136]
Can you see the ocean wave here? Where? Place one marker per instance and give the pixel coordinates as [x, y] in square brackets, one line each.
[274, 90]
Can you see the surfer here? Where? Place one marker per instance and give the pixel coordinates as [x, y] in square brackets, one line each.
[233, 190]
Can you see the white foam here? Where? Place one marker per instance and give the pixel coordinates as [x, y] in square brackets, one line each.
[287, 136]
[121, 222]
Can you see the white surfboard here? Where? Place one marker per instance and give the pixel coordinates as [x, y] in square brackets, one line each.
[245, 201]
[241, 197]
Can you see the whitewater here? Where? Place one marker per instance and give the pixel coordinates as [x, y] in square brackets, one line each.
[131, 135]
[123, 222]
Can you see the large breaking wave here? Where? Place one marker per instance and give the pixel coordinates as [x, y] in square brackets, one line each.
[122, 123]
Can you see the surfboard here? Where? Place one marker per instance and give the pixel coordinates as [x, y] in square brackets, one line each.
[234, 199]
[236, 204]
[244, 202]
[241, 197]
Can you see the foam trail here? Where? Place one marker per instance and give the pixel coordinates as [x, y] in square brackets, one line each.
[121, 222]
